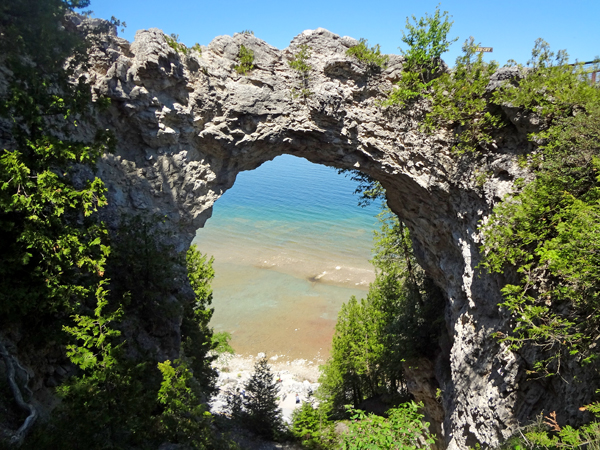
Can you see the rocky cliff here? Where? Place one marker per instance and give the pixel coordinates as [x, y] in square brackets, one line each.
[187, 123]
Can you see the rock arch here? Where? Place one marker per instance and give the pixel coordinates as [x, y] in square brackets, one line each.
[188, 124]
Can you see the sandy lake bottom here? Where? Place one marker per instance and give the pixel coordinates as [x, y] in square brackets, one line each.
[291, 246]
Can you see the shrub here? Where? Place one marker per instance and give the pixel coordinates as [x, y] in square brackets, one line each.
[549, 231]
[174, 43]
[220, 343]
[458, 100]
[404, 429]
[184, 420]
[372, 57]
[546, 433]
[246, 60]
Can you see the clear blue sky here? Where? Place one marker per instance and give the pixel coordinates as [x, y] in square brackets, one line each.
[509, 26]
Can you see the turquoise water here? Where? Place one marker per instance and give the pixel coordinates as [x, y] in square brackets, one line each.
[290, 246]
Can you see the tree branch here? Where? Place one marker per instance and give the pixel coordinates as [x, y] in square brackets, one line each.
[10, 362]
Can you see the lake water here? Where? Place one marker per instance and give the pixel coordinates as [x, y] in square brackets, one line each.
[290, 245]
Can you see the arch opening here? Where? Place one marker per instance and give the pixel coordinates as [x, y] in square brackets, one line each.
[291, 245]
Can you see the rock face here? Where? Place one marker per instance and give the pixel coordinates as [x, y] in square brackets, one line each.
[188, 124]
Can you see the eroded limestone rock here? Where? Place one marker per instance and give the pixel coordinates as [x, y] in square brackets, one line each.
[188, 124]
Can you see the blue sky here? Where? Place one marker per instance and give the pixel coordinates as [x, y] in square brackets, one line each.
[509, 26]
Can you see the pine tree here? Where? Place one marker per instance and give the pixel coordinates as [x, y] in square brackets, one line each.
[260, 402]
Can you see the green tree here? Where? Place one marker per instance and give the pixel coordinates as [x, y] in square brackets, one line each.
[246, 60]
[220, 343]
[299, 63]
[426, 40]
[401, 318]
[56, 266]
[351, 373]
[53, 247]
[459, 100]
[549, 230]
[311, 426]
[372, 56]
[119, 399]
[196, 335]
[368, 189]
[146, 269]
[107, 404]
[184, 420]
[263, 415]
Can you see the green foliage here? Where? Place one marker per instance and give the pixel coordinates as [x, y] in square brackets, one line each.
[546, 433]
[246, 60]
[247, 32]
[372, 57]
[554, 90]
[174, 43]
[57, 268]
[410, 298]
[549, 230]
[401, 318]
[404, 429]
[353, 373]
[95, 348]
[257, 408]
[312, 428]
[145, 268]
[196, 47]
[53, 248]
[299, 63]
[196, 336]
[427, 40]
[220, 343]
[101, 406]
[184, 419]
[119, 401]
[367, 188]
[263, 415]
[458, 100]
[200, 274]
[299, 60]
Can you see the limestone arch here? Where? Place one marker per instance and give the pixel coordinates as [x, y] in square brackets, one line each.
[188, 124]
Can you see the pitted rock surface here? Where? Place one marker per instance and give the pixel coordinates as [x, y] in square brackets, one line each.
[188, 124]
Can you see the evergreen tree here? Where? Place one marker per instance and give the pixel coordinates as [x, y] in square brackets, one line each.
[53, 247]
[260, 402]
[401, 318]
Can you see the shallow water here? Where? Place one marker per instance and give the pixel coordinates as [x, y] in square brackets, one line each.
[290, 246]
